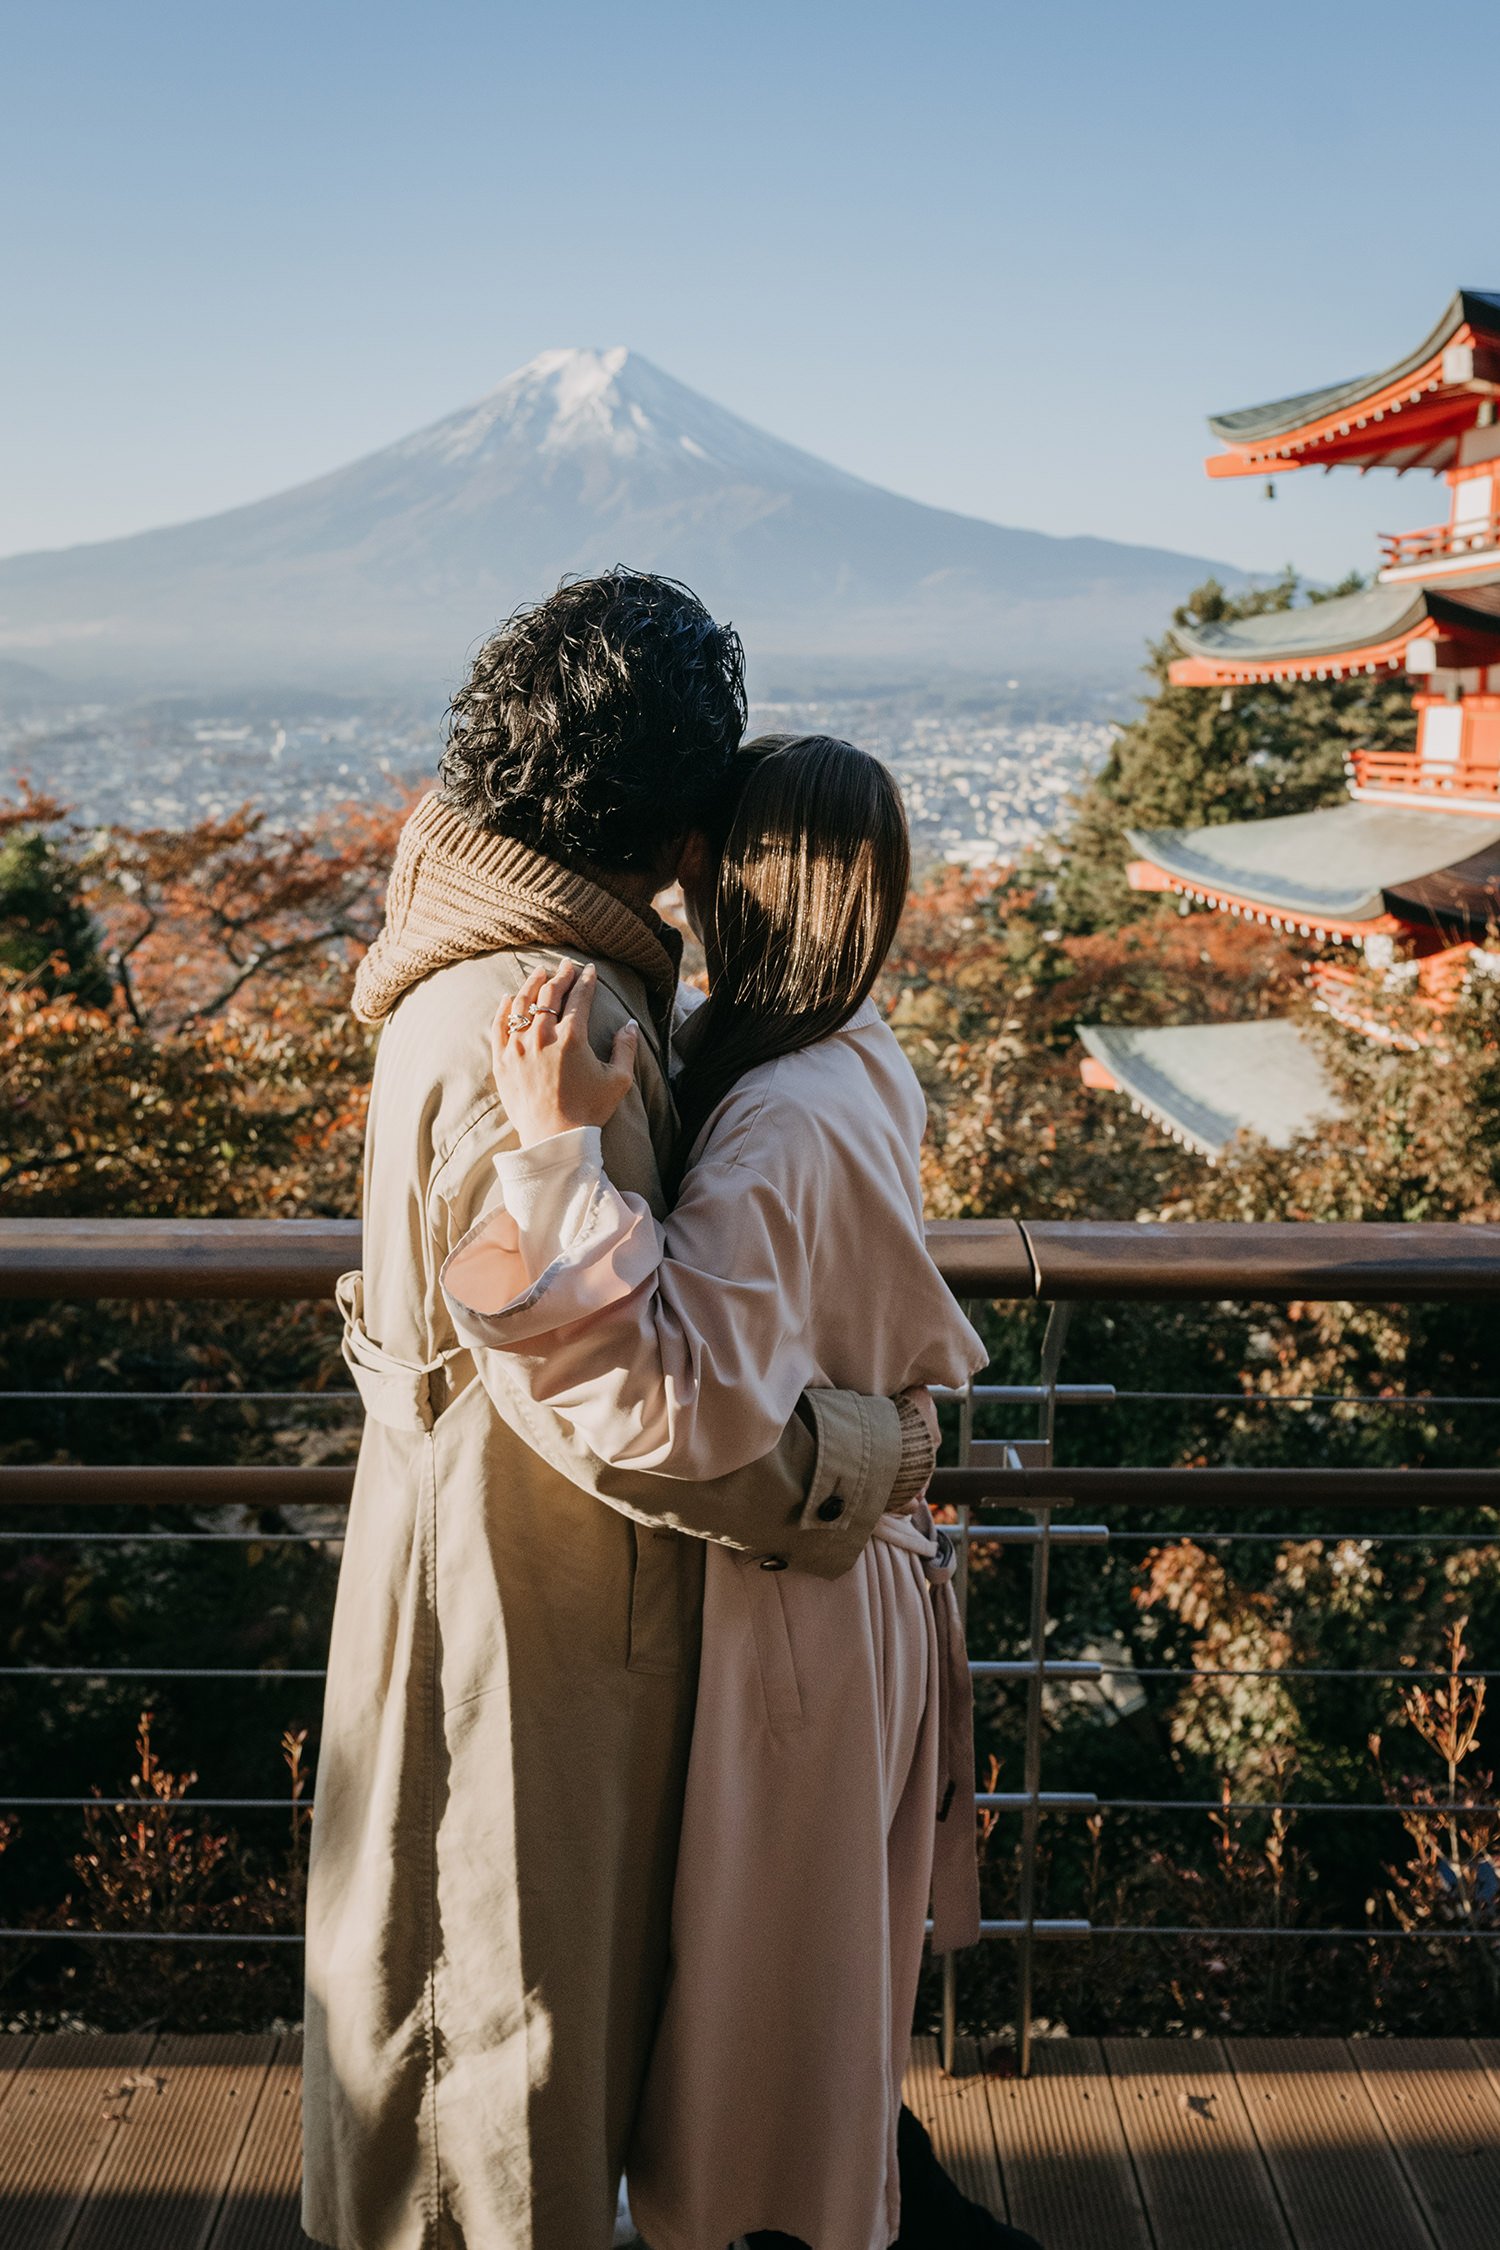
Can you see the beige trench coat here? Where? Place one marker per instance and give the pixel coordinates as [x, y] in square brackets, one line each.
[510, 1695]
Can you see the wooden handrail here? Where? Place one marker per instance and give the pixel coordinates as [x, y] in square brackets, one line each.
[74, 1485]
[1054, 1259]
[1263, 1261]
[1407, 769]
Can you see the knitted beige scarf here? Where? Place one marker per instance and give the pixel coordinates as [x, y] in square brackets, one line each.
[457, 892]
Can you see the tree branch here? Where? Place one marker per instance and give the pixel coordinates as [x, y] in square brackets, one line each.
[262, 959]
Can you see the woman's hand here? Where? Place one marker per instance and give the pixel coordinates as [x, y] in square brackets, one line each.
[548, 1076]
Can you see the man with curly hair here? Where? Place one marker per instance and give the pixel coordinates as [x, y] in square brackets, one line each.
[513, 1663]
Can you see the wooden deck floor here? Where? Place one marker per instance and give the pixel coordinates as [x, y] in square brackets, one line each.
[192, 2144]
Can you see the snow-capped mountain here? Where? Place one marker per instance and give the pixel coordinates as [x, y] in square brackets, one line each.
[391, 569]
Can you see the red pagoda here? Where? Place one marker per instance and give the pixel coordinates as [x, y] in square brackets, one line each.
[1409, 868]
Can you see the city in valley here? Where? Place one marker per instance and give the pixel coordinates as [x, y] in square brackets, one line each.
[984, 774]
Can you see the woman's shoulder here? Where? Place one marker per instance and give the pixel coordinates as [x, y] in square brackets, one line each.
[773, 1119]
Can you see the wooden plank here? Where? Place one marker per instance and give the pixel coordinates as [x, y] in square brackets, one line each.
[15, 2046]
[262, 2203]
[164, 2177]
[956, 2113]
[62, 2113]
[1067, 2171]
[1202, 2176]
[1442, 2118]
[1339, 2183]
[1488, 2052]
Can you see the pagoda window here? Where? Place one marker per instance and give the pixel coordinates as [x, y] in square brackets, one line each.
[1442, 734]
[1473, 503]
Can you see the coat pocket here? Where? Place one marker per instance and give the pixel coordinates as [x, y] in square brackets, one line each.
[662, 1596]
[766, 1608]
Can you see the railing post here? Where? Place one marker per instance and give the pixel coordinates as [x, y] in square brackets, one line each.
[961, 1589]
[1041, 1557]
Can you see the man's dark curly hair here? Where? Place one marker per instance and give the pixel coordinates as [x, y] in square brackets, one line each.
[599, 725]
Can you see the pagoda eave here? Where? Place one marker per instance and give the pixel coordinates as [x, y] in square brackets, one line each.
[1410, 415]
[1401, 436]
[1345, 872]
[1204, 1084]
[1146, 875]
[1383, 656]
[1383, 628]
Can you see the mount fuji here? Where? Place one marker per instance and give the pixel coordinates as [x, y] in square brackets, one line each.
[389, 571]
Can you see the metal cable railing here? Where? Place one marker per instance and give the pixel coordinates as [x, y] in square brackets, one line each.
[1054, 1262]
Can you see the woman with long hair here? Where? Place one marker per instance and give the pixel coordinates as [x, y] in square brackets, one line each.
[830, 1790]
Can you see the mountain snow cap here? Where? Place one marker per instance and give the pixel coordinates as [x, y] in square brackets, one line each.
[563, 401]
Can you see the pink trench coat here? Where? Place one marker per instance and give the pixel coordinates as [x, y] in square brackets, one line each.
[795, 1257]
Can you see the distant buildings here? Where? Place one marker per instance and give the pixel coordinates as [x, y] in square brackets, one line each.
[980, 783]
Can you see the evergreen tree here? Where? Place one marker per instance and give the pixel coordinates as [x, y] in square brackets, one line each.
[47, 935]
[1198, 756]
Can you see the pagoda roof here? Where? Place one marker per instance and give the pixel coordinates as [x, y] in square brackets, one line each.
[1342, 870]
[1371, 628]
[1409, 414]
[1205, 1082]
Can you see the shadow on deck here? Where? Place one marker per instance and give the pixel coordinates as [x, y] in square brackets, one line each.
[146, 2143]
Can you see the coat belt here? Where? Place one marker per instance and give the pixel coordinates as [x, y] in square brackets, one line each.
[955, 1858]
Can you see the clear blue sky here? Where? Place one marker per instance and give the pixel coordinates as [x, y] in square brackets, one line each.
[1001, 257]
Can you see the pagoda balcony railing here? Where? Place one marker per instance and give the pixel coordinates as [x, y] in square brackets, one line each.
[1343, 994]
[1466, 779]
[1015, 1476]
[1399, 550]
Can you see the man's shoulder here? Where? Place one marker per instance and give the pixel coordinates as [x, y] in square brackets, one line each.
[456, 988]
[433, 1070]
[466, 992]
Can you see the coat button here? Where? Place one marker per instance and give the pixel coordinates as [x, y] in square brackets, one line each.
[773, 1562]
[832, 1508]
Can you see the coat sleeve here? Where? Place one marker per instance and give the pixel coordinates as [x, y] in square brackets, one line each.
[808, 1497]
[682, 1349]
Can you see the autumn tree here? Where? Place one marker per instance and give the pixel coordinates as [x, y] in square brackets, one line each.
[236, 914]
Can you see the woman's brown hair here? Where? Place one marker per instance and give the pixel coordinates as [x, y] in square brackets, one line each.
[812, 879]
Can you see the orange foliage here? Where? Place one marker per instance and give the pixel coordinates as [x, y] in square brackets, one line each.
[231, 911]
[228, 1077]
